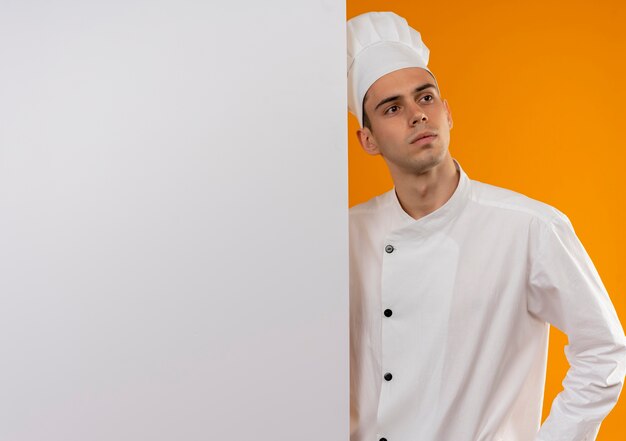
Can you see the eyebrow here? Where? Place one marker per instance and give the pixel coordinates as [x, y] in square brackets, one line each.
[393, 98]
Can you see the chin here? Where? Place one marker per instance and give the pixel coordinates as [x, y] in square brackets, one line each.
[427, 162]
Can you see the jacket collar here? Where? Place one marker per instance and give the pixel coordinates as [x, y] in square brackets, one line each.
[403, 222]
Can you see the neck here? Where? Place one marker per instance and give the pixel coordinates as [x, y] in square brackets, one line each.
[421, 194]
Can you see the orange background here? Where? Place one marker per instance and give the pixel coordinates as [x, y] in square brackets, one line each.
[537, 94]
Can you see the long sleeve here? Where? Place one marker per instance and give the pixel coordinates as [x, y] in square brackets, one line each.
[565, 290]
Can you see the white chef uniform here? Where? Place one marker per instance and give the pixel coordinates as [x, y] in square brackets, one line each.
[449, 321]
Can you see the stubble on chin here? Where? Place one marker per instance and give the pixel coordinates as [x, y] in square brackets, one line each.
[426, 163]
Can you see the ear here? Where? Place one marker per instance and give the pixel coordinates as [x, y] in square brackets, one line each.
[448, 113]
[368, 142]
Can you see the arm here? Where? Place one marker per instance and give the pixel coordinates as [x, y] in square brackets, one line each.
[566, 291]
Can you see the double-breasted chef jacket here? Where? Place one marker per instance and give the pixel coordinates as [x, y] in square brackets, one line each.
[449, 321]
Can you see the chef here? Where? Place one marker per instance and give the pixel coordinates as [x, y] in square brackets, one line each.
[454, 283]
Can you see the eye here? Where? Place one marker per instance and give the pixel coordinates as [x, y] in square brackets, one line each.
[389, 110]
[428, 96]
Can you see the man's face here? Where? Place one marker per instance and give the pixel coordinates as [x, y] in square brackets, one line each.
[402, 106]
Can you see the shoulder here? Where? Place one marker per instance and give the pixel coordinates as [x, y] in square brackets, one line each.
[371, 209]
[502, 199]
[371, 219]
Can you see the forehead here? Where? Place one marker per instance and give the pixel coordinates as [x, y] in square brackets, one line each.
[396, 83]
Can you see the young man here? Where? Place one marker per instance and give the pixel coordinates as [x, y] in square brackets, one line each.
[453, 282]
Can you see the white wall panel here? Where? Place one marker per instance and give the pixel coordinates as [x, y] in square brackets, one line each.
[173, 220]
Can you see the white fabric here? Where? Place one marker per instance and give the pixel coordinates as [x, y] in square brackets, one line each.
[471, 287]
[379, 43]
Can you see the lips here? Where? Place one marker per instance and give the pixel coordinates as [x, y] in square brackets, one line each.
[421, 135]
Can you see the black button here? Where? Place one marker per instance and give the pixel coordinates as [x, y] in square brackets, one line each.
[388, 376]
[389, 248]
[383, 439]
[388, 313]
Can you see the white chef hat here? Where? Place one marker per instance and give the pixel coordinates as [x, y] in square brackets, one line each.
[379, 43]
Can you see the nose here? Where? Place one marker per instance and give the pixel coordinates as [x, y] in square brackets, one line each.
[418, 115]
